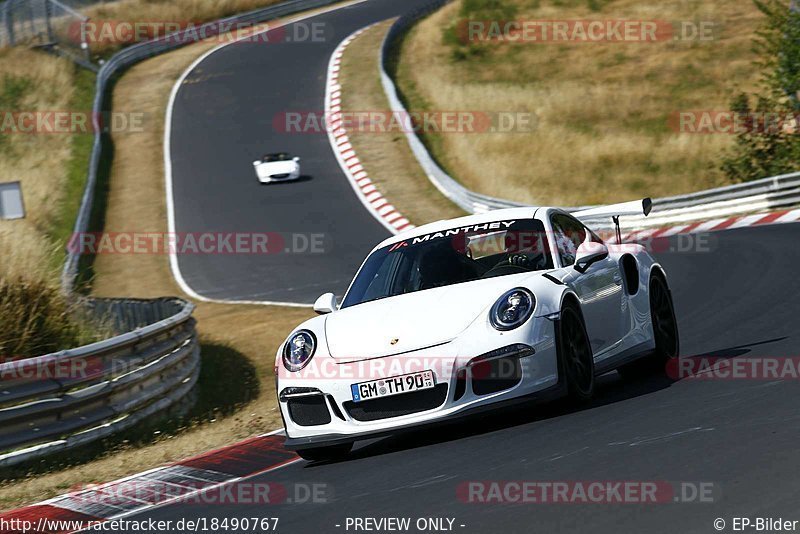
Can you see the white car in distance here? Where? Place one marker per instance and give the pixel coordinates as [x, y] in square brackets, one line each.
[277, 167]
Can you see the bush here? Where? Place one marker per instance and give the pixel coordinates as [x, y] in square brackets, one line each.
[34, 320]
[769, 148]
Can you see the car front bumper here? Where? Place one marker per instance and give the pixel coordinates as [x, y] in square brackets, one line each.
[269, 179]
[459, 392]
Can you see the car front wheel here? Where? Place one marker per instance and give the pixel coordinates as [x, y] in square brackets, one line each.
[575, 354]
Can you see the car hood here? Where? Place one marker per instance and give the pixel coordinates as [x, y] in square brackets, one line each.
[275, 167]
[412, 321]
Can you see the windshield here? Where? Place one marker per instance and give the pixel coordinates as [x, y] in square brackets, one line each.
[281, 156]
[452, 257]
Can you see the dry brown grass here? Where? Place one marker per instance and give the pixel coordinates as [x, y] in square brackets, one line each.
[34, 318]
[602, 108]
[386, 156]
[161, 11]
[136, 202]
[37, 161]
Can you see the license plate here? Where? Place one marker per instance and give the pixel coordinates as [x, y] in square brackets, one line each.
[386, 387]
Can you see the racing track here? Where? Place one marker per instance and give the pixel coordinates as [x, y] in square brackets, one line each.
[222, 120]
[739, 298]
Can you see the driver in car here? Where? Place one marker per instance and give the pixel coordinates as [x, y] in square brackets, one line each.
[525, 247]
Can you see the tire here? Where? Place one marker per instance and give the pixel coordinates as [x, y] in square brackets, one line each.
[665, 331]
[322, 454]
[575, 354]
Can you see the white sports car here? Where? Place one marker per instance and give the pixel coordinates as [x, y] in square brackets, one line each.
[278, 167]
[466, 314]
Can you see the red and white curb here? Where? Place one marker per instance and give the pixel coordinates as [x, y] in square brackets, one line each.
[715, 225]
[366, 191]
[204, 475]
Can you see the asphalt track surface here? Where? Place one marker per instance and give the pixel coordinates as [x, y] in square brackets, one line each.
[223, 119]
[735, 297]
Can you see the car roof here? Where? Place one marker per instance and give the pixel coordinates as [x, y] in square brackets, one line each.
[468, 220]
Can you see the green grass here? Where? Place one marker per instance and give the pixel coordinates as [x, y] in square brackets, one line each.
[63, 223]
[12, 92]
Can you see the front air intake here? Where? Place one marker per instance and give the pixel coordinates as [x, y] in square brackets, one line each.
[499, 369]
[309, 411]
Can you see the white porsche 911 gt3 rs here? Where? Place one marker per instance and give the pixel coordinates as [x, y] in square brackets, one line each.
[467, 314]
[278, 167]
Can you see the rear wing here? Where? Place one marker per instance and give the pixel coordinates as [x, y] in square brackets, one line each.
[636, 207]
[615, 211]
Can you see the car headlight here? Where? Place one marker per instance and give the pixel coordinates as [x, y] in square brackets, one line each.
[299, 350]
[512, 309]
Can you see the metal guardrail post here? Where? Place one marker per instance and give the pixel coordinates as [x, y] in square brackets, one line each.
[8, 22]
[48, 21]
[31, 18]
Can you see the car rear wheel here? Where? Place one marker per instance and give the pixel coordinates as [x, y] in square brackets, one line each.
[665, 326]
[322, 454]
[575, 354]
[665, 331]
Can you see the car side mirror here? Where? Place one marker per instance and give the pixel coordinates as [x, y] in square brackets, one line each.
[325, 304]
[296, 159]
[589, 253]
[256, 163]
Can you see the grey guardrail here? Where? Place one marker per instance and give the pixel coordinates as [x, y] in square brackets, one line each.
[6, 28]
[66, 399]
[769, 193]
[750, 197]
[467, 200]
[134, 54]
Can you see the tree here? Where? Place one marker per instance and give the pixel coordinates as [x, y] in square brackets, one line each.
[769, 141]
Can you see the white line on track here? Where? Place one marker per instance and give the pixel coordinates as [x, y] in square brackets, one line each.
[173, 258]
